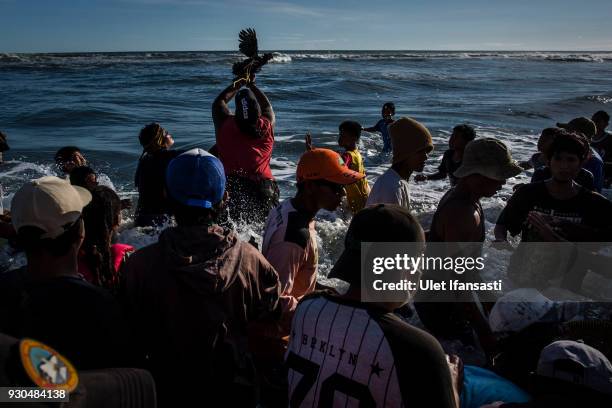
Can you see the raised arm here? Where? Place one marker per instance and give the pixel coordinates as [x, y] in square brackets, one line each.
[264, 103]
[220, 110]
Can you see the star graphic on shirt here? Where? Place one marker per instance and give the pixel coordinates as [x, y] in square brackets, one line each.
[376, 369]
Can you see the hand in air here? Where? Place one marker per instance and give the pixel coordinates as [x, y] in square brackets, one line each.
[308, 140]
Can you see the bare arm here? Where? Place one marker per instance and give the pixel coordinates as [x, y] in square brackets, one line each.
[264, 103]
[220, 110]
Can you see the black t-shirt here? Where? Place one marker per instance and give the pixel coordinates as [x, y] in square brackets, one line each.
[150, 179]
[448, 166]
[584, 177]
[81, 321]
[587, 208]
[342, 350]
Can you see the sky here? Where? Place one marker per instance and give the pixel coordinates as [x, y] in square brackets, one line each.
[194, 25]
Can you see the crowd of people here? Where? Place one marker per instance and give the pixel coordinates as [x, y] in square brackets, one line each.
[216, 320]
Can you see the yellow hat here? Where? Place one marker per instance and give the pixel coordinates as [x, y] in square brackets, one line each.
[408, 136]
[49, 203]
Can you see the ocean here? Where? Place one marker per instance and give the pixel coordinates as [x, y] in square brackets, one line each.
[100, 101]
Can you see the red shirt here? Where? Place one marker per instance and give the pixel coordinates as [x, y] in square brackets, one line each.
[244, 155]
[119, 252]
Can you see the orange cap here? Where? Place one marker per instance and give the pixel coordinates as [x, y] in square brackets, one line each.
[325, 164]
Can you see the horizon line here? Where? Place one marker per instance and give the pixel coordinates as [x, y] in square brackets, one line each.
[313, 50]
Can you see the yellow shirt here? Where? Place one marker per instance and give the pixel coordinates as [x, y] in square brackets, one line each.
[357, 193]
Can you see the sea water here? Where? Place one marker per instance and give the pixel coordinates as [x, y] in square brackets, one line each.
[100, 101]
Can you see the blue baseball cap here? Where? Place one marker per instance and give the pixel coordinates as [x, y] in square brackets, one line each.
[196, 179]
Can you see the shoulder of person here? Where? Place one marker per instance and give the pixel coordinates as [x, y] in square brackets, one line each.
[400, 332]
[139, 261]
[596, 198]
[298, 229]
[530, 188]
[251, 255]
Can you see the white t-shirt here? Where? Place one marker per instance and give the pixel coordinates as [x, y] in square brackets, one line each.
[390, 188]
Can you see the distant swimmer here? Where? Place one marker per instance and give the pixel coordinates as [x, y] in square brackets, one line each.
[153, 204]
[356, 193]
[69, 157]
[451, 160]
[382, 126]
[411, 146]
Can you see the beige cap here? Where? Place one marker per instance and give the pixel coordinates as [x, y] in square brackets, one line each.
[49, 203]
[408, 136]
[583, 125]
[488, 157]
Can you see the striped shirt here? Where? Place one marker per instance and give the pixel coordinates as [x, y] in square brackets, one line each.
[344, 353]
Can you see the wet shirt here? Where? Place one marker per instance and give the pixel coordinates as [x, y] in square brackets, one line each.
[344, 353]
[243, 154]
[448, 166]
[382, 126]
[150, 179]
[587, 208]
[390, 188]
[290, 245]
[356, 193]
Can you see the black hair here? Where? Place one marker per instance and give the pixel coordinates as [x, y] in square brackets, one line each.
[29, 238]
[65, 153]
[568, 142]
[100, 216]
[151, 137]
[391, 106]
[352, 127]
[78, 176]
[601, 115]
[187, 215]
[467, 132]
